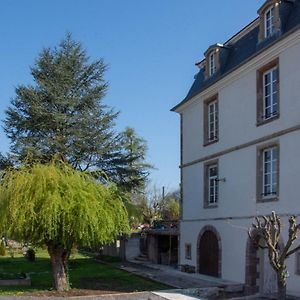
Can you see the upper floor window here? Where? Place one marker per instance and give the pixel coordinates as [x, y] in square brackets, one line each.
[269, 22]
[269, 19]
[212, 64]
[211, 120]
[211, 184]
[270, 158]
[268, 92]
[268, 172]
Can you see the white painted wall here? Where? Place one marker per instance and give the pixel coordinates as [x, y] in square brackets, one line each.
[237, 196]
[237, 107]
[237, 125]
[234, 243]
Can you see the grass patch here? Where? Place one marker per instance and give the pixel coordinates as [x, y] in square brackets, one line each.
[109, 259]
[86, 277]
[10, 276]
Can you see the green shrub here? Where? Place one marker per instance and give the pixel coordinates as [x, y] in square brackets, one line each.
[2, 248]
[30, 255]
[11, 252]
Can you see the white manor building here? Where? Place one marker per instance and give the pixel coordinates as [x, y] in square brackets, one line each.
[240, 148]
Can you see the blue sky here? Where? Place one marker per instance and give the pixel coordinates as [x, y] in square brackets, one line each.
[150, 47]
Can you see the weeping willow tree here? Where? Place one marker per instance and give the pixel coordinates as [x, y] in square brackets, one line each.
[57, 206]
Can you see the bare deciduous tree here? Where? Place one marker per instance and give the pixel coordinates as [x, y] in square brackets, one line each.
[268, 229]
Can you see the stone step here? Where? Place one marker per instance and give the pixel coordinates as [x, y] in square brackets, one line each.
[142, 258]
[234, 288]
[173, 295]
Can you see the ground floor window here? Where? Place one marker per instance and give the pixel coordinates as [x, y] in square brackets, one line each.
[188, 251]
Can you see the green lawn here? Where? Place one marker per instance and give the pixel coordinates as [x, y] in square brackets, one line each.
[85, 274]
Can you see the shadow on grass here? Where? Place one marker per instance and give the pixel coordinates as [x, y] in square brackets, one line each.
[88, 274]
[84, 273]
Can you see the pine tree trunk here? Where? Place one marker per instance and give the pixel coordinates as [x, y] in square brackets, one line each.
[59, 259]
[281, 286]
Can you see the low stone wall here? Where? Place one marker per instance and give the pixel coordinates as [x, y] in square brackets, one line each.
[16, 282]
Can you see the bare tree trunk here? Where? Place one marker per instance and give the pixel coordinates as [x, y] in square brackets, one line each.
[59, 259]
[268, 229]
[281, 286]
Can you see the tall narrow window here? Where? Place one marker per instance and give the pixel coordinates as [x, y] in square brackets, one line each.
[270, 159]
[188, 251]
[212, 184]
[212, 64]
[211, 120]
[269, 22]
[270, 93]
[268, 172]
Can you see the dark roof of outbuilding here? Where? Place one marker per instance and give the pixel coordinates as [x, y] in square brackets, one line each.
[245, 48]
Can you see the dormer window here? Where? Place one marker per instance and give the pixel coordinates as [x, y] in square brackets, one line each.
[269, 22]
[212, 64]
[215, 55]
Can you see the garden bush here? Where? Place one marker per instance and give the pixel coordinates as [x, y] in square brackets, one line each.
[30, 255]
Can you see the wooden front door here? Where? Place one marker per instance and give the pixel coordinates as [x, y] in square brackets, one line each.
[209, 254]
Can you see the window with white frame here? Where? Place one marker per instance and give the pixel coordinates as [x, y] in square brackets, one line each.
[269, 22]
[270, 93]
[212, 64]
[270, 172]
[211, 120]
[212, 108]
[213, 184]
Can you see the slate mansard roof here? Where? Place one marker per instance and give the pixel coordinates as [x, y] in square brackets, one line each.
[237, 51]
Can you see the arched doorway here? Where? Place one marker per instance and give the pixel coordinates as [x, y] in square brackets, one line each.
[209, 252]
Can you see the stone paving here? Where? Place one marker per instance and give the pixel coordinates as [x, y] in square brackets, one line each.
[172, 277]
[128, 296]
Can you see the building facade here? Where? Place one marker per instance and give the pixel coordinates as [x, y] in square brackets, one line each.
[240, 140]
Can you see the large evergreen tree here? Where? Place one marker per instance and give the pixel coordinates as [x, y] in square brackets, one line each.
[63, 114]
[129, 167]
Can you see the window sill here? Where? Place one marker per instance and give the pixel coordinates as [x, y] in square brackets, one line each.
[260, 122]
[207, 143]
[268, 199]
[210, 206]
